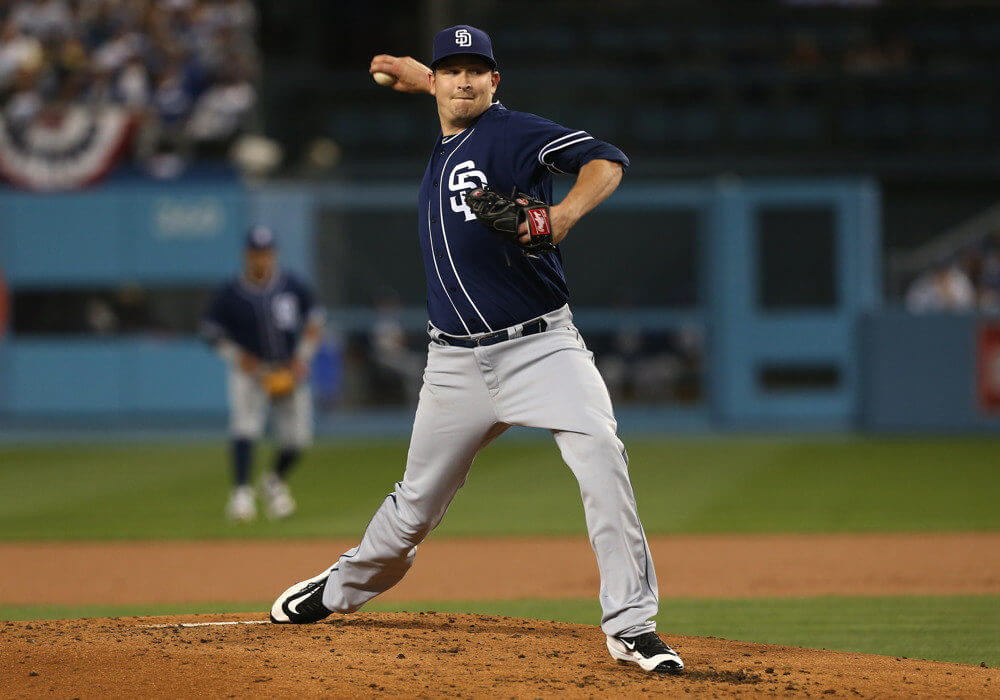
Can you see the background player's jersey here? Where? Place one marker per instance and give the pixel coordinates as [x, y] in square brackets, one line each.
[265, 321]
[475, 281]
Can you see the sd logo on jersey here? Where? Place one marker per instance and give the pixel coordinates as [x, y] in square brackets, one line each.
[286, 312]
[464, 177]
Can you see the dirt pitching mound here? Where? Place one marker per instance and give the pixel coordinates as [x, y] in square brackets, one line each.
[427, 654]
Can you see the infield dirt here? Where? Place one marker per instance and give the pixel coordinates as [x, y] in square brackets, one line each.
[701, 566]
[463, 655]
[429, 654]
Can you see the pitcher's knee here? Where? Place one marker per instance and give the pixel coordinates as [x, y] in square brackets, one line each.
[414, 533]
[414, 522]
[597, 458]
[605, 448]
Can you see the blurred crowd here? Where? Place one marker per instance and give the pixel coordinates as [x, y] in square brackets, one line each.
[864, 54]
[968, 281]
[184, 69]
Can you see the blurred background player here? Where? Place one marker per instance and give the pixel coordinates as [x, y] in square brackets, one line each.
[266, 326]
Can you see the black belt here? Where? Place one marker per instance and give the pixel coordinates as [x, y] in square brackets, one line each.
[529, 328]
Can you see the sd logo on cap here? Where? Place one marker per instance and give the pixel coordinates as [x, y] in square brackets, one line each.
[260, 238]
[463, 40]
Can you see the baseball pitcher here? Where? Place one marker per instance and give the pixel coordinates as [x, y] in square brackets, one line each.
[503, 349]
[267, 328]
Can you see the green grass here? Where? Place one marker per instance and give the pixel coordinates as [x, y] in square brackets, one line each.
[516, 488]
[964, 629]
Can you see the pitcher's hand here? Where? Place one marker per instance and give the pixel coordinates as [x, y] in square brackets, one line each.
[411, 75]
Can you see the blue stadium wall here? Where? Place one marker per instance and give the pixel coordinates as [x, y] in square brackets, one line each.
[154, 235]
[894, 371]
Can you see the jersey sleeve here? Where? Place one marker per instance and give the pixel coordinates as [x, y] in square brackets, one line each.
[535, 142]
[311, 312]
[215, 322]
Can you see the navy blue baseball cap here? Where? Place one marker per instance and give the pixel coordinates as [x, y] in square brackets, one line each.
[463, 40]
[260, 238]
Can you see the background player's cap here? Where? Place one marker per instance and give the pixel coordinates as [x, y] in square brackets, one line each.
[260, 238]
[461, 40]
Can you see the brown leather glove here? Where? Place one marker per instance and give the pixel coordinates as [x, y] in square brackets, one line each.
[279, 383]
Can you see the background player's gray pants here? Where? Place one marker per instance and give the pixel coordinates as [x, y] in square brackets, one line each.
[248, 407]
[469, 397]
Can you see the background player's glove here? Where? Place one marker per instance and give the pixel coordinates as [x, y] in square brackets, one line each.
[503, 215]
[279, 383]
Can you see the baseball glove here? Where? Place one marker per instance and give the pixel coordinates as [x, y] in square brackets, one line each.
[279, 383]
[503, 214]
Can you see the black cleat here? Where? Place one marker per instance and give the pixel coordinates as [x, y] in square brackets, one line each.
[647, 650]
[302, 603]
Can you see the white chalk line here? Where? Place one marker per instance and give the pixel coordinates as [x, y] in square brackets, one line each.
[212, 624]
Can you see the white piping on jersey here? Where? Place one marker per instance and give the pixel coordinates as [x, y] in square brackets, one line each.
[277, 337]
[444, 234]
[555, 145]
[272, 333]
[446, 139]
[430, 237]
[267, 332]
[543, 151]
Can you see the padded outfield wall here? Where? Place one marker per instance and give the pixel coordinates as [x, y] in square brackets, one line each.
[773, 286]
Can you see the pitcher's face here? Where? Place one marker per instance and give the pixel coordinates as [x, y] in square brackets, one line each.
[463, 87]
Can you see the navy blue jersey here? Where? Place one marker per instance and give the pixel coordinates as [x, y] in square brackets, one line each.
[267, 321]
[477, 282]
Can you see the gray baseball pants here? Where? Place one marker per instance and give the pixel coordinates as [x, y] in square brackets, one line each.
[248, 407]
[469, 397]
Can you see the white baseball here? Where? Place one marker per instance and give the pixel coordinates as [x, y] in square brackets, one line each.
[383, 78]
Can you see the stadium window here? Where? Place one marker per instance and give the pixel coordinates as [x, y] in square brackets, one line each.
[797, 258]
[107, 311]
[778, 378]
